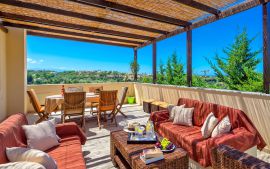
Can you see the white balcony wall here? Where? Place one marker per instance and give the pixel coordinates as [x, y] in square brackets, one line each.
[255, 105]
[3, 89]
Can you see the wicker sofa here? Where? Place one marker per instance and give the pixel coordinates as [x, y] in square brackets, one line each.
[229, 158]
[243, 135]
[67, 155]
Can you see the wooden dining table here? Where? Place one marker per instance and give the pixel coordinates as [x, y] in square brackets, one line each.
[53, 102]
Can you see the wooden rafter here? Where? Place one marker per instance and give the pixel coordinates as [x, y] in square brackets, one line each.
[76, 39]
[226, 13]
[29, 27]
[200, 6]
[71, 26]
[133, 11]
[78, 15]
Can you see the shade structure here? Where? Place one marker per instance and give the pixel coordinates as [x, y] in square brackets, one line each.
[134, 24]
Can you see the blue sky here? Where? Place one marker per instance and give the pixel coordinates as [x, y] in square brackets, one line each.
[56, 54]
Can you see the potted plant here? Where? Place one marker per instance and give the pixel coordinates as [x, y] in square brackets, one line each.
[131, 99]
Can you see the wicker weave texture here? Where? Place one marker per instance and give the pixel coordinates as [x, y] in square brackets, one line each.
[130, 153]
[225, 157]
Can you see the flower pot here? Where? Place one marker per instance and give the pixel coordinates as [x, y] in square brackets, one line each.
[131, 100]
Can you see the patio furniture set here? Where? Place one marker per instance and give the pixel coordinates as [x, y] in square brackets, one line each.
[194, 150]
[74, 101]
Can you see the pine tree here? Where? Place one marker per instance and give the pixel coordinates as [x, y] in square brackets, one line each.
[169, 72]
[178, 70]
[161, 74]
[238, 69]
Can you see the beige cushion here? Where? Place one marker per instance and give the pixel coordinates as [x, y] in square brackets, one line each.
[209, 124]
[22, 165]
[41, 136]
[16, 154]
[184, 117]
[174, 109]
[224, 126]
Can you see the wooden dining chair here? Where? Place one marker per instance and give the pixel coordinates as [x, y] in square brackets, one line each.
[74, 105]
[94, 105]
[120, 102]
[39, 109]
[107, 102]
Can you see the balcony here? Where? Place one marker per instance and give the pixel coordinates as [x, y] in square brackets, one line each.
[133, 25]
[97, 148]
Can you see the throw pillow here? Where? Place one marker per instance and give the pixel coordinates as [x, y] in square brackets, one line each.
[41, 136]
[224, 126]
[209, 124]
[173, 110]
[184, 117]
[16, 154]
[22, 165]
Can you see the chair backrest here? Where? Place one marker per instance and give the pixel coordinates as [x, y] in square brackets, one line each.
[107, 100]
[74, 102]
[123, 95]
[34, 100]
[75, 89]
[95, 89]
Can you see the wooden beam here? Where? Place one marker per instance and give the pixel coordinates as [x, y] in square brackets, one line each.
[133, 11]
[199, 5]
[78, 15]
[189, 58]
[266, 47]
[226, 13]
[3, 28]
[154, 58]
[48, 35]
[29, 27]
[135, 60]
[71, 26]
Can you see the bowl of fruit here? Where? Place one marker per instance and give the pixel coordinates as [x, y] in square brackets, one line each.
[165, 145]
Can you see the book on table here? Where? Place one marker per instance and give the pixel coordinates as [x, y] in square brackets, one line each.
[151, 155]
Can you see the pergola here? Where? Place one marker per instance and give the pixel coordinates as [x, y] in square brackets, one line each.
[128, 23]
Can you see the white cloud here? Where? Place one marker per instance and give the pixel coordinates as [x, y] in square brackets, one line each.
[32, 61]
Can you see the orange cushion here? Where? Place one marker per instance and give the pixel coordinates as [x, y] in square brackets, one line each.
[12, 134]
[68, 155]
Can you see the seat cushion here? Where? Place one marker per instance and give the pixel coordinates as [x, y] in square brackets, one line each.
[198, 148]
[68, 154]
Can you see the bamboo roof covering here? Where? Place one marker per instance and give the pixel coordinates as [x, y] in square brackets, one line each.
[129, 23]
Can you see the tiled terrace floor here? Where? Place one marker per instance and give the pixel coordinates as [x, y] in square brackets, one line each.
[97, 148]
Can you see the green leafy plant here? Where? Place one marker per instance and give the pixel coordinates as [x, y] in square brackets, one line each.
[134, 67]
[237, 70]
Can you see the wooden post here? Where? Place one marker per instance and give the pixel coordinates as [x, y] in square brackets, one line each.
[136, 61]
[154, 62]
[266, 47]
[189, 58]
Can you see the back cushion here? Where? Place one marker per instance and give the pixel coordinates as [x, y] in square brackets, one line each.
[201, 109]
[12, 134]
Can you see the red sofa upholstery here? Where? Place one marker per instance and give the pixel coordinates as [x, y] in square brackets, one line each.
[243, 135]
[68, 154]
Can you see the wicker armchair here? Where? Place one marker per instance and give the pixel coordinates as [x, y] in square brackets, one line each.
[39, 109]
[94, 105]
[225, 157]
[74, 105]
[107, 102]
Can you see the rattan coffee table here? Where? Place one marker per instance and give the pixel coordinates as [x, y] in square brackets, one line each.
[125, 155]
